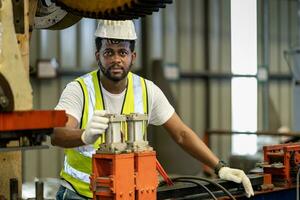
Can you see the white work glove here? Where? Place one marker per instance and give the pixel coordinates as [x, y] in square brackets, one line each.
[238, 176]
[95, 127]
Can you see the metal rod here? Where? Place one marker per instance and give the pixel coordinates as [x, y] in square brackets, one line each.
[272, 133]
[229, 76]
[39, 190]
[206, 46]
[298, 14]
[265, 89]
[13, 188]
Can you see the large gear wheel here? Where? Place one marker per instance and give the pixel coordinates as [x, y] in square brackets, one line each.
[50, 16]
[112, 9]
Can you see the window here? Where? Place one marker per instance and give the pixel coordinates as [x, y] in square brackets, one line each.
[244, 62]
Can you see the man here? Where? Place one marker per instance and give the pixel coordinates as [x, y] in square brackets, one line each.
[114, 89]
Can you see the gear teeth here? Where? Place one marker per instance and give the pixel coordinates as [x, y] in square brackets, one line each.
[129, 9]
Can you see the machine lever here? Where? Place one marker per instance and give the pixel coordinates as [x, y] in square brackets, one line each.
[163, 173]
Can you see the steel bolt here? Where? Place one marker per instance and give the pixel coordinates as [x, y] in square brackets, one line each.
[3, 101]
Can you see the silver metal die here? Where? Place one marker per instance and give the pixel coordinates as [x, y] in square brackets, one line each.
[114, 135]
[137, 132]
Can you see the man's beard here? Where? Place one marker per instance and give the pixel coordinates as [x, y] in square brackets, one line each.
[108, 75]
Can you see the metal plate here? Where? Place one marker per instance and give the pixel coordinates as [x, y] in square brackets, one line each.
[32, 120]
[28, 128]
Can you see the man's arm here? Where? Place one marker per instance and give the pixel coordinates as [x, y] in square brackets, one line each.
[68, 136]
[192, 144]
[189, 141]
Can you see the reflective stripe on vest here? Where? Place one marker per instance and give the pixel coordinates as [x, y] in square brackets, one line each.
[76, 173]
[77, 165]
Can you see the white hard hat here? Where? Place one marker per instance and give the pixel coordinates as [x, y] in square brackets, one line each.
[123, 30]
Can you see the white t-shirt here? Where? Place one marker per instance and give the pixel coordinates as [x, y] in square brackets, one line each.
[160, 110]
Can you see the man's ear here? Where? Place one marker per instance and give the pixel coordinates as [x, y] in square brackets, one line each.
[97, 55]
[133, 57]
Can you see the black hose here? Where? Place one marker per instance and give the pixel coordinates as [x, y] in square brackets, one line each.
[199, 185]
[206, 180]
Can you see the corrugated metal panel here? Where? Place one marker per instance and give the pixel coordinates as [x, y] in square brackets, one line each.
[198, 87]
[283, 35]
[185, 58]
[86, 49]
[68, 47]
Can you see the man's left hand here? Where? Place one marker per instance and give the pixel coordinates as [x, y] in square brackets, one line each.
[238, 176]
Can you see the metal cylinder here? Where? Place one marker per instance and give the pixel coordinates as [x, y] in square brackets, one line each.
[108, 134]
[136, 126]
[130, 131]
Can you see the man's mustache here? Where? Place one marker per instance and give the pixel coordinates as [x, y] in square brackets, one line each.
[115, 66]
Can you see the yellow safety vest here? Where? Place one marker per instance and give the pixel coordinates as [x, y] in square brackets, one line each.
[78, 161]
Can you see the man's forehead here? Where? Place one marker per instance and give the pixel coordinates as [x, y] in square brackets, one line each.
[115, 43]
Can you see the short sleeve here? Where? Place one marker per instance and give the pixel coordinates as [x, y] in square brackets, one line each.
[71, 100]
[160, 109]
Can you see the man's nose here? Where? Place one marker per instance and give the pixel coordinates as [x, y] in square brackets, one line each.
[117, 58]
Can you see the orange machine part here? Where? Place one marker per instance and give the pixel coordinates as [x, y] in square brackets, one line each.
[282, 153]
[267, 179]
[30, 120]
[146, 175]
[163, 173]
[113, 176]
[267, 185]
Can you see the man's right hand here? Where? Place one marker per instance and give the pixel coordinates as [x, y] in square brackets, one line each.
[95, 127]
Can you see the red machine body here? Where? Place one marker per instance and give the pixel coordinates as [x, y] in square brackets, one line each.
[282, 162]
[124, 176]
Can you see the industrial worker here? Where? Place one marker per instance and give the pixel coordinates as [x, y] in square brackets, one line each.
[113, 88]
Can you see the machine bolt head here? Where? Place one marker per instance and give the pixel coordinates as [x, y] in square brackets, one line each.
[4, 102]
